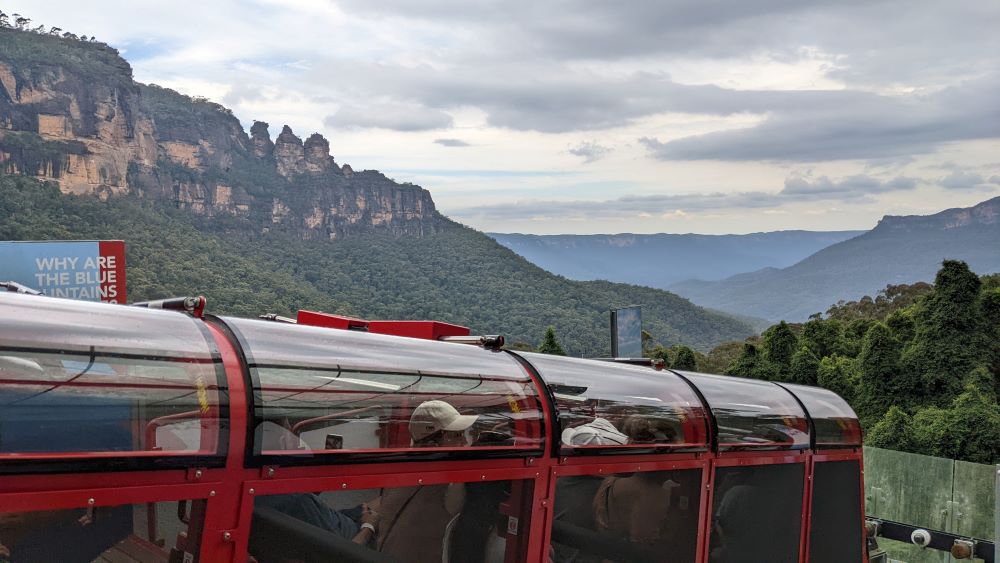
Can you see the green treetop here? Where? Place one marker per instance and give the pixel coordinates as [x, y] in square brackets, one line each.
[779, 345]
[550, 345]
[948, 341]
[685, 359]
[804, 368]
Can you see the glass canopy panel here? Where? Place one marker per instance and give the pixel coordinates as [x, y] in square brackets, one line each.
[752, 414]
[86, 381]
[329, 391]
[605, 405]
[834, 423]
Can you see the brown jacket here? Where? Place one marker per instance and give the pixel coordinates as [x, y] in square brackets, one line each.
[635, 508]
[413, 523]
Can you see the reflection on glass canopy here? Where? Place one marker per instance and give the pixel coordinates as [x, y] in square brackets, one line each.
[80, 377]
[320, 390]
[834, 421]
[607, 405]
[752, 414]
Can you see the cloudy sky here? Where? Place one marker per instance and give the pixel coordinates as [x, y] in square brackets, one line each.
[589, 116]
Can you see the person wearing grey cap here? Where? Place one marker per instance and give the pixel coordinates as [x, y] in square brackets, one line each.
[414, 519]
[598, 432]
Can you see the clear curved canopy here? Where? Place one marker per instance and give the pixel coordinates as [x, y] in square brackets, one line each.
[605, 405]
[834, 423]
[752, 414]
[328, 391]
[85, 379]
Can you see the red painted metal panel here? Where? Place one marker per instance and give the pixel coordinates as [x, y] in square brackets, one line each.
[327, 320]
[427, 330]
[223, 513]
[106, 496]
[806, 512]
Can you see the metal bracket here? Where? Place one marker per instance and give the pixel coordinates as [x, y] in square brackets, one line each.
[963, 549]
[935, 539]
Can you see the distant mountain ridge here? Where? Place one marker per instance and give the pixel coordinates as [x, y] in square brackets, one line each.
[661, 260]
[900, 249]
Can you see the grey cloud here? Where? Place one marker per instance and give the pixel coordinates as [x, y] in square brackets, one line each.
[800, 126]
[878, 45]
[869, 127]
[393, 115]
[889, 163]
[629, 206]
[242, 93]
[452, 143]
[797, 190]
[948, 165]
[557, 99]
[851, 187]
[591, 151]
[877, 41]
[961, 180]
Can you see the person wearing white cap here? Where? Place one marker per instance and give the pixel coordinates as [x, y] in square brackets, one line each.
[414, 519]
[437, 423]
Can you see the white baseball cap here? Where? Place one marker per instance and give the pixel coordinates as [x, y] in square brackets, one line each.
[599, 432]
[433, 416]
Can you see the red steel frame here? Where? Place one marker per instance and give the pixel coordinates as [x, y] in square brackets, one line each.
[230, 490]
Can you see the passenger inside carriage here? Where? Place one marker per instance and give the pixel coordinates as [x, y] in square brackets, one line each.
[415, 519]
[413, 523]
[59, 401]
[630, 516]
[575, 494]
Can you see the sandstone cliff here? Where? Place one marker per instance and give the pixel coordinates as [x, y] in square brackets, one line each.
[71, 113]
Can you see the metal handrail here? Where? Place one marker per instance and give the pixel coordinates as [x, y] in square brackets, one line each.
[297, 428]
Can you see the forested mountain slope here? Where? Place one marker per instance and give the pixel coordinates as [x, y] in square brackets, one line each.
[456, 275]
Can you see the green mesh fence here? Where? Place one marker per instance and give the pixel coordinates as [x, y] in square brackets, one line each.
[942, 494]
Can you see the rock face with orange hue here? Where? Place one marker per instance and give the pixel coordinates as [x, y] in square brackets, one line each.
[76, 117]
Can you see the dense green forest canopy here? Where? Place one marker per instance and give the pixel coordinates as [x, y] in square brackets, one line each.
[458, 275]
[920, 364]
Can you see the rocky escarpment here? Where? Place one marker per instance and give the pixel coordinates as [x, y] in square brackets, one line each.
[982, 214]
[71, 113]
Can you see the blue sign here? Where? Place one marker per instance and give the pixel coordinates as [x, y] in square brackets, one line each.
[87, 270]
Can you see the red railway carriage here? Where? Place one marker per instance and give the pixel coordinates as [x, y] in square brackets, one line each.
[141, 435]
